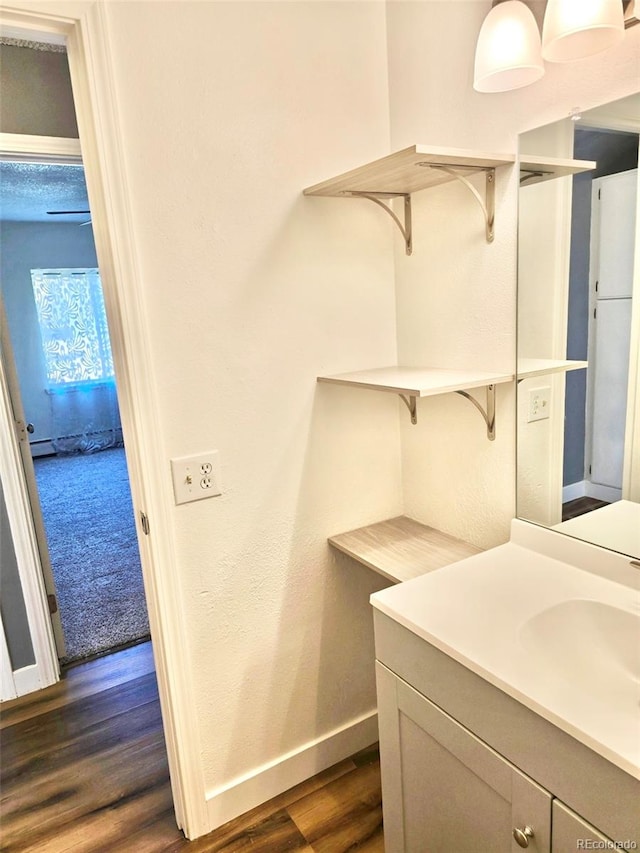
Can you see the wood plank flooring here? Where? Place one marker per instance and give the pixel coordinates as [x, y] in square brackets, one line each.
[84, 769]
[579, 506]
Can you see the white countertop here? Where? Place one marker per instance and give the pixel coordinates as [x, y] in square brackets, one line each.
[560, 640]
[615, 526]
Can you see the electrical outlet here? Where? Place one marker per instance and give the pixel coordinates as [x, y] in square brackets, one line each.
[539, 404]
[196, 477]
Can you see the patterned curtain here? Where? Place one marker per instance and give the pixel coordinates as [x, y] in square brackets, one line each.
[78, 360]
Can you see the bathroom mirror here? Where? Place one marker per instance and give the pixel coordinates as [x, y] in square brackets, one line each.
[578, 327]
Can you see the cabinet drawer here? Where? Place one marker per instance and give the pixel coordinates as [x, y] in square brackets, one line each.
[571, 832]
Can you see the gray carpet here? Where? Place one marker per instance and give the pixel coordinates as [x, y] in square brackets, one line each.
[88, 516]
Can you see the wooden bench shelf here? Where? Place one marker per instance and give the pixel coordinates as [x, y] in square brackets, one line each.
[401, 549]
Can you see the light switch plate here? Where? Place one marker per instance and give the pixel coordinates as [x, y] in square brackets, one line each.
[539, 404]
[196, 477]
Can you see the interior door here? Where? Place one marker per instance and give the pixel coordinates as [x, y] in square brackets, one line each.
[611, 365]
[613, 244]
[22, 431]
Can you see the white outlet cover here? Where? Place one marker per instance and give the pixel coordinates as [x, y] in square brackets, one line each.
[196, 477]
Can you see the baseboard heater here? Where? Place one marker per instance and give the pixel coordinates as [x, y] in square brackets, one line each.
[41, 447]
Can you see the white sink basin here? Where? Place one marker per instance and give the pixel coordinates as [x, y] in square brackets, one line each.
[591, 645]
[563, 641]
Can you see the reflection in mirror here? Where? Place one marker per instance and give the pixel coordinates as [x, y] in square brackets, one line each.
[578, 419]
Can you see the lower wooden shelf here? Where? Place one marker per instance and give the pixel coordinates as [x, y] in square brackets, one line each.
[401, 549]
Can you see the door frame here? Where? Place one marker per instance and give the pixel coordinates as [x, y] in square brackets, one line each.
[627, 120]
[93, 82]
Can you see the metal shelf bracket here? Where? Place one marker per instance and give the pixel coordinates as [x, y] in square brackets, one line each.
[411, 404]
[489, 415]
[405, 229]
[488, 203]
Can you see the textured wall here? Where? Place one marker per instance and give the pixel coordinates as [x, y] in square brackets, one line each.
[253, 290]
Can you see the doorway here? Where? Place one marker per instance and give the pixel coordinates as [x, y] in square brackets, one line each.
[599, 313]
[57, 330]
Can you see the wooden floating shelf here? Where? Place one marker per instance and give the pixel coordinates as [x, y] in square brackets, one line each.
[413, 382]
[417, 168]
[529, 367]
[417, 381]
[409, 171]
[401, 549]
[536, 170]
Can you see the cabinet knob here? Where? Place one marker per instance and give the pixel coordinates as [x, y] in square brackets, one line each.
[522, 836]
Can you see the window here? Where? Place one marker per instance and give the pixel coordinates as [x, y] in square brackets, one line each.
[73, 327]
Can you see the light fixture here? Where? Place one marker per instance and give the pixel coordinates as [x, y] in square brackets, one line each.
[508, 50]
[574, 29]
[509, 53]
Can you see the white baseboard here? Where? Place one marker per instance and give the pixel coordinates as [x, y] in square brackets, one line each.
[585, 489]
[603, 493]
[574, 491]
[269, 780]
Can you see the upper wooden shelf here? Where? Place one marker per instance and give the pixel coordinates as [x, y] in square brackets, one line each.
[401, 549]
[528, 367]
[417, 168]
[409, 171]
[536, 170]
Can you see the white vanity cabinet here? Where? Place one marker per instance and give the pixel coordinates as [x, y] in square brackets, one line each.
[464, 764]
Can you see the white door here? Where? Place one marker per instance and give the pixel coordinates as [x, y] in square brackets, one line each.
[43, 670]
[23, 428]
[612, 259]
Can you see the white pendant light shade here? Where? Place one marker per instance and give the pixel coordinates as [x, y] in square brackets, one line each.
[508, 50]
[574, 29]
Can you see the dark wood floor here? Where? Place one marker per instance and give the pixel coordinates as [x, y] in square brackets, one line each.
[84, 769]
[572, 509]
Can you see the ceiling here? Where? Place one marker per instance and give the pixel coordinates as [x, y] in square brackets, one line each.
[29, 190]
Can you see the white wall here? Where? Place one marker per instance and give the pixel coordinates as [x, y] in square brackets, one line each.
[456, 295]
[251, 292]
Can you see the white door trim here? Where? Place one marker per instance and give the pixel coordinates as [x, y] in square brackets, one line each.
[44, 149]
[92, 78]
[631, 468]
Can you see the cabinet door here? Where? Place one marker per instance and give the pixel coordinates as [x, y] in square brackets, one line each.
[571, 832]
[443, 789]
